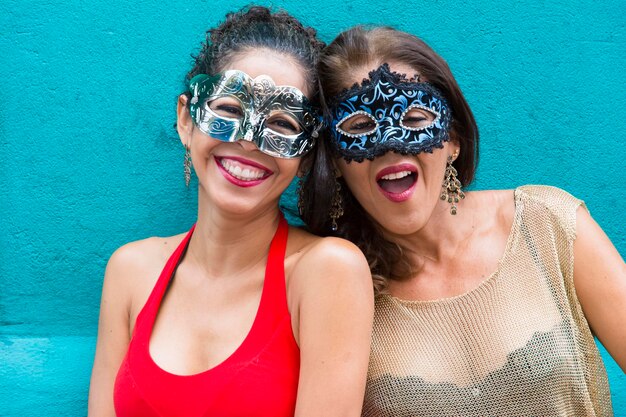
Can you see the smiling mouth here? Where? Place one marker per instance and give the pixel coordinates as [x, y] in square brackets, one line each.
[397, 182]
[242, 172]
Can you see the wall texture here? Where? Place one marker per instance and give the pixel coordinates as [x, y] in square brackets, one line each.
[90, 160]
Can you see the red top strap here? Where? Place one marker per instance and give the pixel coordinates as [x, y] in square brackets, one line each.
[260, 378]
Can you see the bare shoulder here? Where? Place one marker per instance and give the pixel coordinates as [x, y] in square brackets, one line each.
[498, 205]
[328, 279]
[324, 260]
[310, 248]
[589, 235]
[134, 268]
[142, 255]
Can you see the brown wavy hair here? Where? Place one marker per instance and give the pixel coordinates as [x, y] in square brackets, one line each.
[367, 48]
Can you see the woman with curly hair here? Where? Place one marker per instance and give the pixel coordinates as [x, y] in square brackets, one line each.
[243, 315]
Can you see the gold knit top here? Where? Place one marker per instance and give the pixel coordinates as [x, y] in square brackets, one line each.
[517, 345]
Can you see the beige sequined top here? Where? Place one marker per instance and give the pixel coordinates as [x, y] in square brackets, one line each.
[517, 345]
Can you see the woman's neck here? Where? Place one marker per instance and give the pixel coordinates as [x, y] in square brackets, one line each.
[226, 244]
[452, 255]
[444, 235]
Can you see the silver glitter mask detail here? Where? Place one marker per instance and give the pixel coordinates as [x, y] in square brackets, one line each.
[278, 119]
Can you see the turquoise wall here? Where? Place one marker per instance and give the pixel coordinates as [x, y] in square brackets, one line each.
[90, 159]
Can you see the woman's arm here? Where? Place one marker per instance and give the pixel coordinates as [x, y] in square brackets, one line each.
[600, 282]
[335, 310]
[113, 334]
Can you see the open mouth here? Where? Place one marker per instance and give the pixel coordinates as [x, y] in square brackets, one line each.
[397, 182]
[242, 172]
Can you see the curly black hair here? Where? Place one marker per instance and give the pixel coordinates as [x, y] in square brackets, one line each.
[257, 27]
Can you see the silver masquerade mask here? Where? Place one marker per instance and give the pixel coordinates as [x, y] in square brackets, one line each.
[232, 106]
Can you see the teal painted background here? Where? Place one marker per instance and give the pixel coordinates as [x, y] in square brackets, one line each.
[90, 159]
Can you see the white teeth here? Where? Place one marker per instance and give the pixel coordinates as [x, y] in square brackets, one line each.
[396, 175]
[246, 174]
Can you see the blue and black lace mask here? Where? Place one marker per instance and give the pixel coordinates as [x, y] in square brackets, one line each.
[385, 113]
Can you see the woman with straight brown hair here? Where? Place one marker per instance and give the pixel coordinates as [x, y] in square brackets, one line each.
[487, 301]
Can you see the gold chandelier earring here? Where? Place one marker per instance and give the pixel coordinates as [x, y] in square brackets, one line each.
[451, 187]
[336, 207]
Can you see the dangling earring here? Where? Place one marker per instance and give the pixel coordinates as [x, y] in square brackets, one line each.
[300, 193]
[451, 187]
[187, 165]
[336, 207]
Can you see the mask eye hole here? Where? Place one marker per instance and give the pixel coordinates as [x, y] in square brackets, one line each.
[358, 123]
[227, 107]
[283, 123]
[418, 117]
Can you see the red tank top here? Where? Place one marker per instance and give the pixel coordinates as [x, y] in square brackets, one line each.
[260, 378]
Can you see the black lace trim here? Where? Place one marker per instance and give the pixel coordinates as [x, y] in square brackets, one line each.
[359, 155]
[383, 73]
